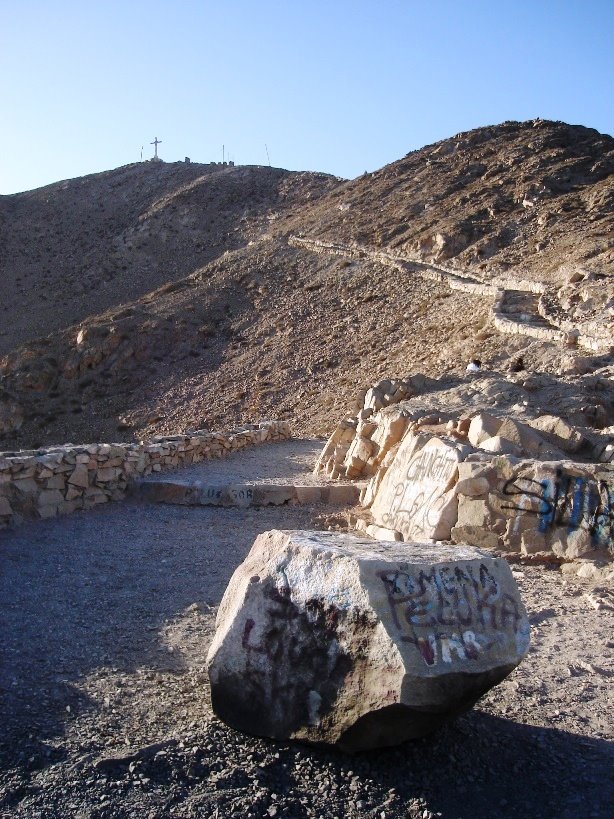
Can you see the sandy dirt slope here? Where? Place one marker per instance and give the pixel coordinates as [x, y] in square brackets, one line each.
[521, 196]
[79, 247]
[270, 331]
[194, 310]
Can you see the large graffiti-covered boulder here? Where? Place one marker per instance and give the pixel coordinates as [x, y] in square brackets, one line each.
[357, 643]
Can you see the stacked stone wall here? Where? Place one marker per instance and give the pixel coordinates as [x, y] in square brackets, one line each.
[595, 336]
[562, 332]
[59, 480]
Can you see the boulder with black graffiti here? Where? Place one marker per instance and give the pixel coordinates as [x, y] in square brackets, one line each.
[338, 640]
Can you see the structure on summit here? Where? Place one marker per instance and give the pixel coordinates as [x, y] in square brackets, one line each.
[155, 143]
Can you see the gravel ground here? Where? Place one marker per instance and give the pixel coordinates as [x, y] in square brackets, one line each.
[281, 462]
[106, 618]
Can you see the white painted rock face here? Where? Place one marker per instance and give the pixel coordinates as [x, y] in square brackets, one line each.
[416, 496]
[358, 643]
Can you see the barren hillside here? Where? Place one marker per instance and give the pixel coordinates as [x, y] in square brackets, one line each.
[157, 298]
[79, 247]
[522, 197]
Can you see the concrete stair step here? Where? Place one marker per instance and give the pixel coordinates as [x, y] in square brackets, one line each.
[198, 493]
[523, 307]
[527, 318]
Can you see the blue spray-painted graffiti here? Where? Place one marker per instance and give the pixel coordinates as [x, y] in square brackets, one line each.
[570, 501]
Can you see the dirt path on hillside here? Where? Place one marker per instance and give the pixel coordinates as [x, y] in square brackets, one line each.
[105, 622]
[284, 462]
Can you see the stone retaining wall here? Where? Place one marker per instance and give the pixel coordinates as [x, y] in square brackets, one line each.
[456, 279]
[59, 480]
[599, 339]
[563, 332]
[506, 325]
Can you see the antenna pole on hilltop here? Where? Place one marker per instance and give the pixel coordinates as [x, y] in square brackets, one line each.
[267, 154]
[223, 155]
[156, 142]
[141, 153]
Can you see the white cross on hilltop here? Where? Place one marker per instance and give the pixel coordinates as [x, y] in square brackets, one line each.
[156, 142]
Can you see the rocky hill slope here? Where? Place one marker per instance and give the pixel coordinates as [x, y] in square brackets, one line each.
[158, 298]
[526, 197]
[78, 247]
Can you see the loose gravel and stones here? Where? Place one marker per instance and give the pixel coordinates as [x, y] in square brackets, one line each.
[285, 462]
[106, 619]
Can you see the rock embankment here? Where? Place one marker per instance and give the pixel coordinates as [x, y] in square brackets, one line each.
[537, 487]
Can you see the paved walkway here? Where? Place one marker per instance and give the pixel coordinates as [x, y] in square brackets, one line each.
[282, 462]
[270, 475]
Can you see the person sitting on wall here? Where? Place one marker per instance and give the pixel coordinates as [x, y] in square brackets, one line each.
[474, 366]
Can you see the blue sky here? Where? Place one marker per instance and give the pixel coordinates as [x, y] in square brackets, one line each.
[335, 86]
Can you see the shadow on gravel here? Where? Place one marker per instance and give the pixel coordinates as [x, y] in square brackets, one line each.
[479, 767]
[487, 766]
[91, 592]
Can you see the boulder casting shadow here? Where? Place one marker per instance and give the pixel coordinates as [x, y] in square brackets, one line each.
[332, 639]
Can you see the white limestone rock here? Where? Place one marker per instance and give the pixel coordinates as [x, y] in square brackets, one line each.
[500, 446]
[391, 427]
[482, 426]
[416, 496]
[334, 639]
[559, 432]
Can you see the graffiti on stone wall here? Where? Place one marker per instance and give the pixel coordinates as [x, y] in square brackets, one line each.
[419, 511]
[433, 464]
[452, 610]
[419, 499]
[569, 501]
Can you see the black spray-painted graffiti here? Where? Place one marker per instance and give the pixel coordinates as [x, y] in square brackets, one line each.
[567, 500]
[281, 639]
[243, 494]
[213, 493]
[449, 610]
[295, 663]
